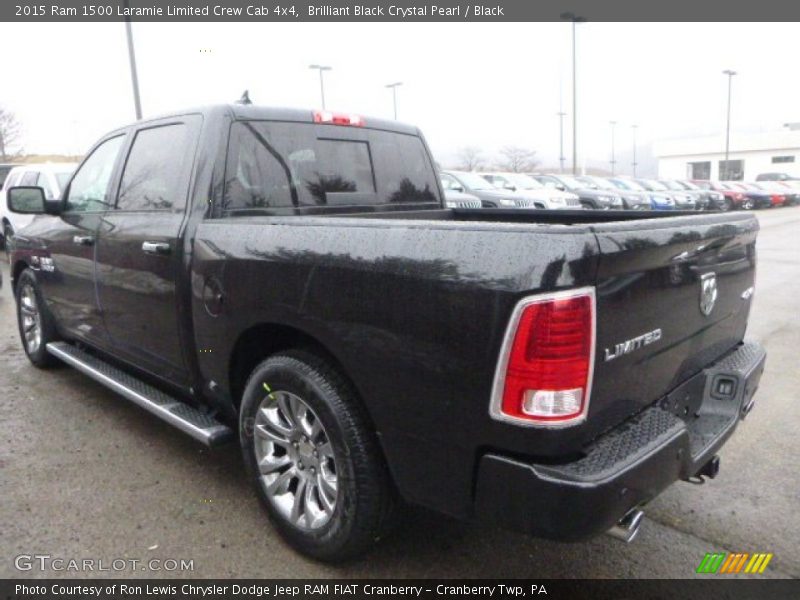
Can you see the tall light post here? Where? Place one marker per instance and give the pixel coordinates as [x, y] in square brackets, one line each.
[730, 75]
[321, 69]
[613, 157]
[569, 16]
[561, 158]
[394, 87]
[132, 59]
[633, 128]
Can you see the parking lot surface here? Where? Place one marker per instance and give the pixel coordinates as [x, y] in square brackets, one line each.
[85, 474]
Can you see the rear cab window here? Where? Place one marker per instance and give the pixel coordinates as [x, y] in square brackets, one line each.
[294, 168]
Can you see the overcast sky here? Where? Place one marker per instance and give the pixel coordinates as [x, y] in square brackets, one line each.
[478, 84]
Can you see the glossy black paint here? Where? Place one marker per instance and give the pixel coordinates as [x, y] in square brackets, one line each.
[411, 303]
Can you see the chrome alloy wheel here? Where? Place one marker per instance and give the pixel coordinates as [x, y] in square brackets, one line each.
[295, 460]
[31, 319]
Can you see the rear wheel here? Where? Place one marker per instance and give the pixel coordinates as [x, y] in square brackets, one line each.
[313, 457]
[36, 325]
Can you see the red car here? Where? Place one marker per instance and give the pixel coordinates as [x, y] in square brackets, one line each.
[791, 195]
[734, 199]
[775, 198]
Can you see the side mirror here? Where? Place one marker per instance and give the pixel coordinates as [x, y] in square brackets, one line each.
[26, 200]
[457, 188]
[510, 187]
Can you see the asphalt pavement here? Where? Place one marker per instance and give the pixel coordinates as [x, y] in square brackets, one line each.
[84, 474]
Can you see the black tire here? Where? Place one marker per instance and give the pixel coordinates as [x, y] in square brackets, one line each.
[39, 356]
[366, 499]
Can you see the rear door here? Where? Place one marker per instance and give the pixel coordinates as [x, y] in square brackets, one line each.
[673, 295]
[139, 254]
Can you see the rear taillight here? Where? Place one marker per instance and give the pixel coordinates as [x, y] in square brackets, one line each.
[334, 118]
[544, 375]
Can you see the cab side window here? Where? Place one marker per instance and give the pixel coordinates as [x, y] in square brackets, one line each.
[42, 182]
[89, 191]
[153, 176]
[29, 178]
[451, 183]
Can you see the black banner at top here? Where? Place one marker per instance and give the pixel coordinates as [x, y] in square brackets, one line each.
[394, 11]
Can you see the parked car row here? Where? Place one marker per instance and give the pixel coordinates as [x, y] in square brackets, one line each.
[559, 191]
[747, 196]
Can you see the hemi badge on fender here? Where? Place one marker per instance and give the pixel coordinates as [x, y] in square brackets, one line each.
[633, 344]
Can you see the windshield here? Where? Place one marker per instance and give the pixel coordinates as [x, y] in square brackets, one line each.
[474, 181]
[571, 182]
[653, 185]
[672, 185]
[62, 179]
[704, 185]
[603, 184]
[523, 182]
[589, 183]
[688, 185]
[627, 184]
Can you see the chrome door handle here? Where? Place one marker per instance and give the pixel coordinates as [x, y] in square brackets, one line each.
[83, 240]
[161, 248]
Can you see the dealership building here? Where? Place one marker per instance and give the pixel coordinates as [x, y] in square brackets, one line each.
[749, 155]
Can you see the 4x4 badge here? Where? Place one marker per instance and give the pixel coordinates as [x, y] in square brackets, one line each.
[708, 292]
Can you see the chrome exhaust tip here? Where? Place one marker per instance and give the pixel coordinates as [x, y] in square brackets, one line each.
[628, 526]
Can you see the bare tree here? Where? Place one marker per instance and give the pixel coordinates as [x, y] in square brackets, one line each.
[470, 158]
[517, 159]
[10, 134]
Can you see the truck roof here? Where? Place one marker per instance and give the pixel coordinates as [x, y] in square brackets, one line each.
[271, 113]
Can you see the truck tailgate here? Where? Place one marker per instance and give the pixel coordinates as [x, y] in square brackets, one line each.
[659, 320]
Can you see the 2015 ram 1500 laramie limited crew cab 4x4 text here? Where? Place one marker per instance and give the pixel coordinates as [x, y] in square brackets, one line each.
[292, 279]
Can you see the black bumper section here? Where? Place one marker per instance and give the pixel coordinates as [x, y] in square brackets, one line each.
[627, 466]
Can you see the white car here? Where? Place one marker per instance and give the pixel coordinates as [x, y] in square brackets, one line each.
[52, 177]
[528, 187]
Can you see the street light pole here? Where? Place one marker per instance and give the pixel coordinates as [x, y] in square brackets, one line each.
[569, 16]
[730, 75]
[321, 68]
[633, 127]
[393, 87]
[561, 159]
[132, 59]
[613, 158]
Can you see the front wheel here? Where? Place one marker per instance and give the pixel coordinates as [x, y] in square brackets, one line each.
[36, 325]
[313, 457]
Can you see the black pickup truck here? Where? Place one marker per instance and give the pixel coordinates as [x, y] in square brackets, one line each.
[291, 279]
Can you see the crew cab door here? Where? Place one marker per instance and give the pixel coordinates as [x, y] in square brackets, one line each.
[139, 251]
[69, 283]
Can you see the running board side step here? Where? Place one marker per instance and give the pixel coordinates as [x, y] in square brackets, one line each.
[185, 417]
